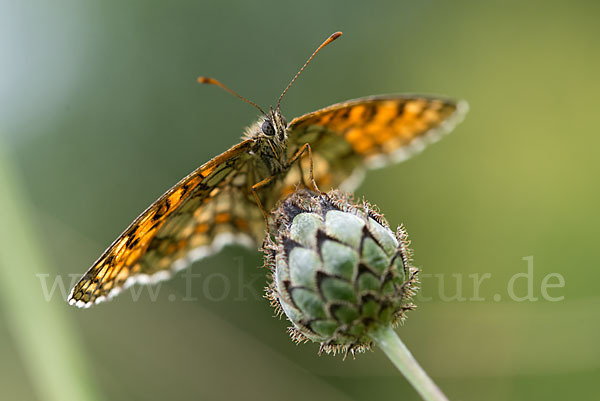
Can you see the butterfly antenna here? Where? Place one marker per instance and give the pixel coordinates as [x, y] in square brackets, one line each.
[212, 81]
[328, 41]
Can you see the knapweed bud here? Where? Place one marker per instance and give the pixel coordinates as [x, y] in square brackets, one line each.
[338, 271]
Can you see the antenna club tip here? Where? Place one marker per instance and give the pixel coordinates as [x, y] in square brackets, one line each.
[335, 35]
[205, 80]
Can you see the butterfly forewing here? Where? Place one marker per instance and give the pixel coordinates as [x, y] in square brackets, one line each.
[371, 132]
[200, 208]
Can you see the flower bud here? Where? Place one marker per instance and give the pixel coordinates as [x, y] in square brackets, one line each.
[338, 271]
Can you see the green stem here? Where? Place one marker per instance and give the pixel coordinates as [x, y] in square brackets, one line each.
[394, 348]
[42, 329]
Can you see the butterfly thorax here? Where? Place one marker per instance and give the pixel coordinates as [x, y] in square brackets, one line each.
[270, 138]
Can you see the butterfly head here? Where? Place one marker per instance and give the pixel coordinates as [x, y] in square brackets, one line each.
[274, 127]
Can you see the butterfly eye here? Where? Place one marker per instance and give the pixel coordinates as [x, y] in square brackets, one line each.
[267, 128]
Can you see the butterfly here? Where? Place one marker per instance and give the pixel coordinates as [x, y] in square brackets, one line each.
[227, 199]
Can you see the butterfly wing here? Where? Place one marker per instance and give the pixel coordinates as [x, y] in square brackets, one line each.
[372, 132]
[205, 211]
[212, 206]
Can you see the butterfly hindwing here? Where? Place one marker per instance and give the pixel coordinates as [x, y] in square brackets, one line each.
[228, 215]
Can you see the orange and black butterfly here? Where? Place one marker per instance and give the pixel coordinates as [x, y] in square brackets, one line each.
[225, 200]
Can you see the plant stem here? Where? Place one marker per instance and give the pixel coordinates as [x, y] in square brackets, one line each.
[400, 356]
[42, 330]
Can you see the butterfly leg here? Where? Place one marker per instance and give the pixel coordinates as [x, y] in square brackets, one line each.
[296, 157]
[301, 172]
[267, 181]
[257, 186]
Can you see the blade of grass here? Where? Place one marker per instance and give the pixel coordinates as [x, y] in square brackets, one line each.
[42, 331]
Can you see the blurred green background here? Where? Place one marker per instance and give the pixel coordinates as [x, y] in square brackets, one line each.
[100, 114]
